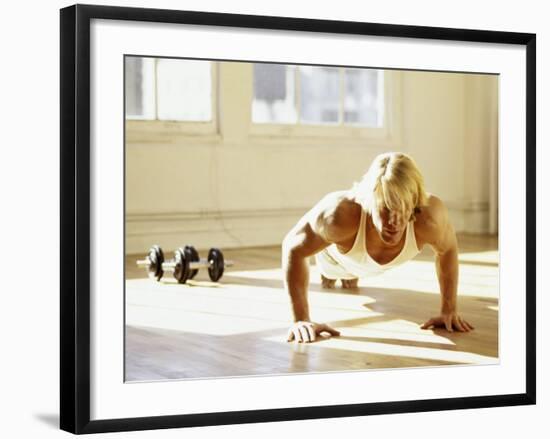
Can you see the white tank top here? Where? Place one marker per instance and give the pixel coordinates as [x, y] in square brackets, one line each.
[357, 260]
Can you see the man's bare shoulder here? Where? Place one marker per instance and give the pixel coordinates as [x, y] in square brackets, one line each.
[431, 220]
[336, 217]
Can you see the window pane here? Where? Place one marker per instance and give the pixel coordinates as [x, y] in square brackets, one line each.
[134, 78]
[364, 98]
[139, 83]
[274, 94]
[184, 90]
[319, 95]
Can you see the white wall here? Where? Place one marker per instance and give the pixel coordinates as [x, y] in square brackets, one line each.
[240, 189]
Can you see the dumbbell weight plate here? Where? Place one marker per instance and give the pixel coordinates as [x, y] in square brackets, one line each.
[215, 269]
[156, 258]
[181, 269]
[192, 256]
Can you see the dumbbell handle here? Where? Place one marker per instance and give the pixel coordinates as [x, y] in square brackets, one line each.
[171, 265]
[143, 262]
[204, 263]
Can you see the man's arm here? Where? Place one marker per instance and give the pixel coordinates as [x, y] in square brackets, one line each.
[446, 260]
[298, 246]
[314, 232]
[442, 238]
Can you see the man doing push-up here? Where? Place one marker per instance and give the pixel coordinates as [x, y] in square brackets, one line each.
[380, 223]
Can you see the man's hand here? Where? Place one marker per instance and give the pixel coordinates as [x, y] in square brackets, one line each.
[449, 321]
[307, 332]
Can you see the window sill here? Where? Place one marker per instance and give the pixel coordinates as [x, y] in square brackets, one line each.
[154, 131]
[322, 135]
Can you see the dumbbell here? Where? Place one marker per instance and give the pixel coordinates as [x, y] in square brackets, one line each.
[153, 262]
[180, 265]
[186, 264]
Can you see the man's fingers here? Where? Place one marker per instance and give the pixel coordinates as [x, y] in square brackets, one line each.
[330, 330]
[449, 324]
[427, 324]
[290, 335]
[311, 332]
[460, 326]
[456, 323]
[307, 332]
[304, 335]
[465, 325]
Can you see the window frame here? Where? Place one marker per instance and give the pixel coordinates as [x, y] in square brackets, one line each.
[388, 135]
[139, 129]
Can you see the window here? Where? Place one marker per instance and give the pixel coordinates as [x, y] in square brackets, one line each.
[169, 90]
[274, 94]
[326, 101]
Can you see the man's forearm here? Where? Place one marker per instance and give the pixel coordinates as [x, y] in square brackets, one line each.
[296, 271]
[447, 274]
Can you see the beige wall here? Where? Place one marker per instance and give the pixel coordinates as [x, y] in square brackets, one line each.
[450, 128]
[236, 188]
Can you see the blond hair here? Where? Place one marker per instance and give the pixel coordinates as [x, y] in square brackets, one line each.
[394, 181]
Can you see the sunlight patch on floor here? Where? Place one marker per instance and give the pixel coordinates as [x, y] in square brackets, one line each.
[229, 309]
[486, 257]
[263, 274]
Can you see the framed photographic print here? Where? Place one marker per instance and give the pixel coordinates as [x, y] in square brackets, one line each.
[305, 218]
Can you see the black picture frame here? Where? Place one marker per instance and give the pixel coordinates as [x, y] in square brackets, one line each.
[75, 217]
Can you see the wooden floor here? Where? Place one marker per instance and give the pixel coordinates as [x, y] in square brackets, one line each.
[238, 326]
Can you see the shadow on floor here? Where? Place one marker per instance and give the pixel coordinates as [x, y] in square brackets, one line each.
[49, 419]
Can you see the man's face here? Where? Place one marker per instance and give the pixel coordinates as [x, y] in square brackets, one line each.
[390, 225]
